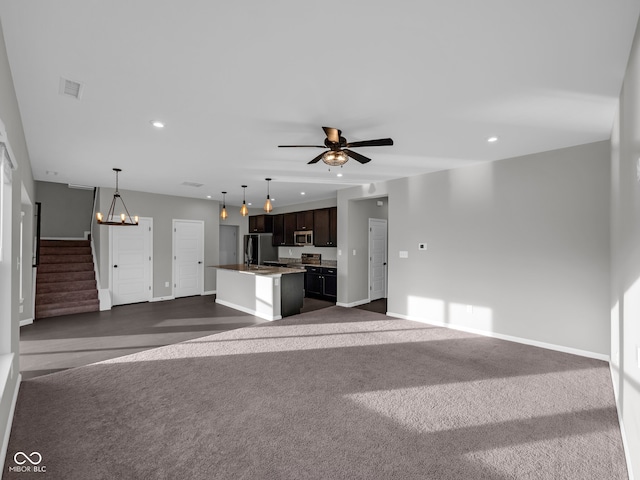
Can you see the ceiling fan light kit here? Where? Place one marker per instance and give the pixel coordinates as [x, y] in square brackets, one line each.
[112, 218]
[335, 159]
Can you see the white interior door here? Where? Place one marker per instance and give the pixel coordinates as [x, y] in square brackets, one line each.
[377, 259]
[228, 244]
[131, 262]
[188, 258]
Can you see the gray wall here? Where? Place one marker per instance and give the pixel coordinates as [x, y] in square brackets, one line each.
[66, 212]
[22, 181]
[164, 209]
[517, 247]
[625, 255]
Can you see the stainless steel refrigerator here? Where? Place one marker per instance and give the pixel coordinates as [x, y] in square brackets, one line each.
[259, 248]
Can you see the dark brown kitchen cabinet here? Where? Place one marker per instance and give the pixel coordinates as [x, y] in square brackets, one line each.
[289, 228]
[284, 224]
[304, 220]
[260, 224]
[278, 230]
[325, 227]
[321, 282]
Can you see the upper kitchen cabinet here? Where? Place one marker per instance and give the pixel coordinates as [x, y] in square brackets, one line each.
[260, 224]
[304, 220]
[278, 230]
[284, 224]
[290, 222]
[325, 227]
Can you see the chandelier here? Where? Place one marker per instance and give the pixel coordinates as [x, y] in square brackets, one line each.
[112, 217]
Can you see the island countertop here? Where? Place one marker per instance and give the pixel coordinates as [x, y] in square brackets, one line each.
[260, 269]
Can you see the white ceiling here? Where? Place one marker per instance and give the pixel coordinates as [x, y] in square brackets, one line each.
[232, 80]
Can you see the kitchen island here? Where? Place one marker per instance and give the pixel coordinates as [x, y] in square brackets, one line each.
[264, 291]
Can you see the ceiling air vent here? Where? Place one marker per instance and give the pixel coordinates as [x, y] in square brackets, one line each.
[70, 88]
[192, 184]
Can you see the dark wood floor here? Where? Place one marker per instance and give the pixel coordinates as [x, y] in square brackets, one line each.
[54, 344]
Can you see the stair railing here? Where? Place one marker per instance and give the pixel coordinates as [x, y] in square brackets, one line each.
[38, 215]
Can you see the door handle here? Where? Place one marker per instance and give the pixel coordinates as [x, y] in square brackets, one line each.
[199, 263]
[115, 266]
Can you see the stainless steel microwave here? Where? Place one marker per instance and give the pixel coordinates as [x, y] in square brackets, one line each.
[303, 237]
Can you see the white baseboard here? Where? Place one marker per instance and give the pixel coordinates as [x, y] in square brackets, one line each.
[209, 292]
[26, 321]
[104, 296]
[162, 299]
[625, 445]
[12, 411]
[525, 341]
[353, 304]
[248, 310]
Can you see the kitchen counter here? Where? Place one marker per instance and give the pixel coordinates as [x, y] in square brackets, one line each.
[261, 269]
[266, 292]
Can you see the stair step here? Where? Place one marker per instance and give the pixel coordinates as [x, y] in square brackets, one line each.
[58, 277]
[55, 310]
[46, 259]
[65, 243]
[64, 267]
[64, 251]
[64, 297]
[65, 286]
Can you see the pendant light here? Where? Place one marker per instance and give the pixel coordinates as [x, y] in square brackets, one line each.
[267, 205]
[244, 211]
[112, 219]
[223, 213]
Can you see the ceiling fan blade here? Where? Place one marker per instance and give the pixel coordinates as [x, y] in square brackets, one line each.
[301, 146]
[380, 142]
[333, 134]
[317, 159]
[356, 156]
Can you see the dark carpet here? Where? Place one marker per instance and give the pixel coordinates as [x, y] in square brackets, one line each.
[331, 394]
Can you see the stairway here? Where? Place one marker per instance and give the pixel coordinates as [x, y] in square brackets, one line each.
[65, 282]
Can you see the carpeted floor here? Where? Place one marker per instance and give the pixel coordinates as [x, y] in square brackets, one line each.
[331, 394]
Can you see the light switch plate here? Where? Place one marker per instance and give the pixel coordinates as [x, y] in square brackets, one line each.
[404, 254]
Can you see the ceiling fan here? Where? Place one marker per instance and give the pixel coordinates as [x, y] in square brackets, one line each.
[339, 149]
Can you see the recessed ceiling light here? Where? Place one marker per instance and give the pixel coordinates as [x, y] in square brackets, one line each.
[302, 193]
[208, 196]
[249, 203]
[492, 139]
[339, 175]
[157, 123]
